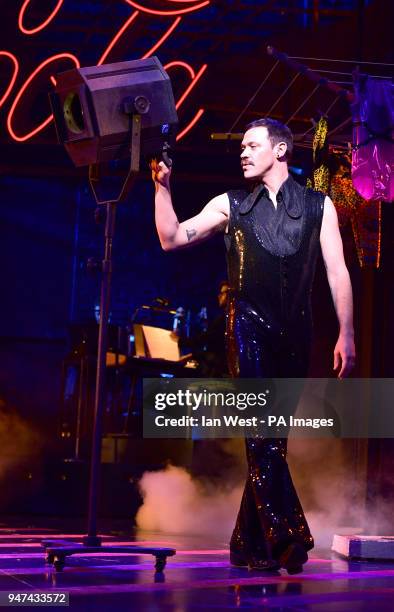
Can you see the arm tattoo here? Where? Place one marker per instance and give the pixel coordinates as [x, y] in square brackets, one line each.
[190, 234]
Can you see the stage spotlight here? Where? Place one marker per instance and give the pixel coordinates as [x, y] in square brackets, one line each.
[93, 107]
[104, 113]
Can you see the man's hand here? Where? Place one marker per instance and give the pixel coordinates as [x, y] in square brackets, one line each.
[344, 355]
[341, 288]
[160, 173]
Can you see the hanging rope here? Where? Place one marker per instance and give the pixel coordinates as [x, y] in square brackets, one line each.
[332, 105]
[312, 75]
[282, 94]
[340, 126]
[341, 61]
[326, 114]
[243, 111]
[303, 103]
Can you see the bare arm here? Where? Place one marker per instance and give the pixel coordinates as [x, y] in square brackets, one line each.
[174, 235]
[341, 289]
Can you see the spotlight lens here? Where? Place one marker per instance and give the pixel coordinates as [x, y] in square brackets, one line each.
[73, 113]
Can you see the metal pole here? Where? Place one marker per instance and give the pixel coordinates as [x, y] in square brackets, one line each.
[91, 539]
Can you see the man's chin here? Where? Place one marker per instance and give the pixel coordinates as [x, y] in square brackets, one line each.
[249, 175]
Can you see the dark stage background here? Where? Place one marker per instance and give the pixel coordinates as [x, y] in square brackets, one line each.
[47, 222]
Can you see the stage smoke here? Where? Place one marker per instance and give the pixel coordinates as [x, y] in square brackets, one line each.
[175, 503]
[333, 493]
[18, 441]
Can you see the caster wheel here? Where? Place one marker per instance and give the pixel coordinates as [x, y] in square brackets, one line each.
[160, 563]
[58, 564]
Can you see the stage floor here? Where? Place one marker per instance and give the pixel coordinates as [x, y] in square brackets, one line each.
[198, 577]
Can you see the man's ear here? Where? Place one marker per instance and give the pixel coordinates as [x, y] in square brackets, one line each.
[281, 149]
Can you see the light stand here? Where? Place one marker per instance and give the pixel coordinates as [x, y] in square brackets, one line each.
[58, 550]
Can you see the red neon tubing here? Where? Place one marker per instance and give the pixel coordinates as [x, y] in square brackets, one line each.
[44, 23]
[179, 11]
[195, 77]
[192, 84]
[22, 91]
[191, 124]
[163, 38]
[13, 78]
[182, 65]
[116, 38]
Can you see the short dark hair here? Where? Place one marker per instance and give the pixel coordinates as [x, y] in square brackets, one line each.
[277, 132]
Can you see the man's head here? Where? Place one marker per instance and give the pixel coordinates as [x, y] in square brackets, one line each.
[266, 144]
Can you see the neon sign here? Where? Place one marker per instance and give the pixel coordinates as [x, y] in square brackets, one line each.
[43, 25]
[13, 77]
[176, 8]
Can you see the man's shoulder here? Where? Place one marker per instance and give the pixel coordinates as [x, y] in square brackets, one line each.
[316, 196]
[219, 201]
[292, 183]
[218, 204]
[237, 196]
[232, 198]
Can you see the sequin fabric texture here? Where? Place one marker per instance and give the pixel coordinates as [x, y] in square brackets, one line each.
[269, 329]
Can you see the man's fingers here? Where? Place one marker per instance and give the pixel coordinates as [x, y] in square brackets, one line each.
[336, 360]
[347, 365]
[163, 167]
[159, 170]
[154, 168]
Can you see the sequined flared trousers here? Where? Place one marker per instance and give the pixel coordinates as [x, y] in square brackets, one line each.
[270, 517]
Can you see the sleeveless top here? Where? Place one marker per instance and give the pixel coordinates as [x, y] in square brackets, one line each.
[274, 276]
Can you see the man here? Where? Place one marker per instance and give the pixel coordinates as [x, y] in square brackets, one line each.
[273, 236]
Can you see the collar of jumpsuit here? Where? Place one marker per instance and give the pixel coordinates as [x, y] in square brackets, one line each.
[288, 198]
[279, 228]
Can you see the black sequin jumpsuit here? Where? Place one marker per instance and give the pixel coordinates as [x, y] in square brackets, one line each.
[269, 328]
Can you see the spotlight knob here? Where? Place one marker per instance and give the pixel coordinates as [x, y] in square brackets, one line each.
[141, 105]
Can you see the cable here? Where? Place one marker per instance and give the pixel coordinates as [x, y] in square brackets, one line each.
[282, 94]
[303, 103]
[313, 127]
[339, 127]
[322, 59]
[243, 111]
[332, 104]
[375, 76]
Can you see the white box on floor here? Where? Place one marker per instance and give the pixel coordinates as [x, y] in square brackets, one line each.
[364, 547]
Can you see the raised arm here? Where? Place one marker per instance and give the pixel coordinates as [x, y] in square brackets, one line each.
[174, 235]
[341, 289]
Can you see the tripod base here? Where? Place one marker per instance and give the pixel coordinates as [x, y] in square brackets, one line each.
[57, 552]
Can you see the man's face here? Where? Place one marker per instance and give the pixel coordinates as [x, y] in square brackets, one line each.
[257, 153]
